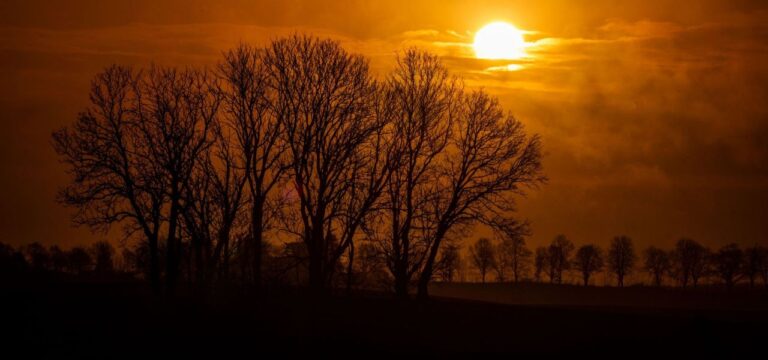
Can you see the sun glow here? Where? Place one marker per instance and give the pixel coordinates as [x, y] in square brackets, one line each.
[500, 40]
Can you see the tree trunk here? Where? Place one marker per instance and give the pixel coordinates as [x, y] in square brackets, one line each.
[316, 250]
[401, 279]
[172, 248]
[200, 272]
[154, 265]
[350, 267]
[257, 233]
[515, 272]
[427, 271]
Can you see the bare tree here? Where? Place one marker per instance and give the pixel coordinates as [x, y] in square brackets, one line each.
[558, 258]
[368, 176]
[501, 262]
[11, 260]
[37, 256]
[621, 258]
[540, 262]
[175, 112]
[490, 159]
[483, 255]
[588, 260]
[214, 199]
[253, 118]
[103, 254]
[371, 269]
[58, 258]
[449, 263]
[112, 182]
[512, 252]
[728, 262]
[79, 260]
[657, 263]
[322, 100]
[689, 261]
[421, 95]
[763, 268]
[755, 259]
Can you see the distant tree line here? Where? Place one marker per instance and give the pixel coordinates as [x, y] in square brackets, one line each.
[687, 264]
[99, 259]
[293, 161]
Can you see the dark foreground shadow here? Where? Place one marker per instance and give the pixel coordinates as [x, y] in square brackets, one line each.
[108, 320]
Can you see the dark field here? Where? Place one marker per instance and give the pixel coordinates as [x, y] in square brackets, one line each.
[120, 319]
[714, 298]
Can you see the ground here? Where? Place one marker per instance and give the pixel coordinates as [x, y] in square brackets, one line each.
[53, 318]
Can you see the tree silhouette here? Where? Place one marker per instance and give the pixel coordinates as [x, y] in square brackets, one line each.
[38, 256]
[175, 110]
[12, 261]
[449, 263]
[490, 159]
[79, 260]
[103, 255]
[588, 260]
[253, 123]
[728, 262]
[323, 103]
[763, 268]
[621, 258]
[422, 97]
[558, 258]
[501, 262]
[512, 252]
[132, 152]
[368, 175]
[213, 204]
[482, 254]
[196, 165]
[755, 259]
[689, 261]
[540, 262]
[58, 258]
[657, 263]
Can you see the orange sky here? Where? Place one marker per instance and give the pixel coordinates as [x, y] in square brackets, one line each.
[653, 113]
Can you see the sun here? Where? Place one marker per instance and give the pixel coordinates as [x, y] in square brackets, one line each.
[499, 40]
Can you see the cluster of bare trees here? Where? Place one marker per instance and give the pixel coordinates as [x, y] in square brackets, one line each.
[690, 262]
[509, 258]
[687, 264]
[295, 142]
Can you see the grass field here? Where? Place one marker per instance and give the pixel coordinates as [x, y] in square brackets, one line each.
[644, 297]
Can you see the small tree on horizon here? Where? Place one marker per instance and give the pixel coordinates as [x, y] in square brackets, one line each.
[512, 252]
[689, 260]
[755, 259]
[449, 263]
[588, 260]
[559, 258]
[482, 254]
[540, 262]
[728, 262]
[657, 263]
[103, 255]
[79, 260]
[621, 258]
